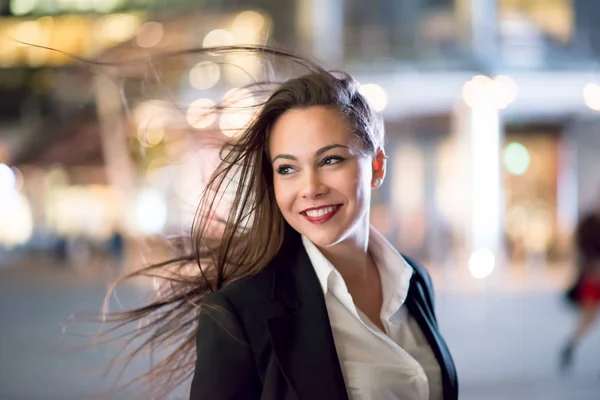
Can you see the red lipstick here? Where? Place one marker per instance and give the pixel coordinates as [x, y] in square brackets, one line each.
[320, 215]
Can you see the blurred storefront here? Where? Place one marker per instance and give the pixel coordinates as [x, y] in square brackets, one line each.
[490, 109]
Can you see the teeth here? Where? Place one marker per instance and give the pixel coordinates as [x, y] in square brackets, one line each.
[320, 212]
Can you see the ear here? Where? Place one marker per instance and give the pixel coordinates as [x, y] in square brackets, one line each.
[379, 167]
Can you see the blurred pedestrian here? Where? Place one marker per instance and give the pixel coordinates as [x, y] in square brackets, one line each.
[300, 297]
[585, 293]
[116, 252]
[60, 250]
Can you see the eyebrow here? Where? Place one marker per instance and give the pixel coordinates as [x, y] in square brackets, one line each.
[318, 152]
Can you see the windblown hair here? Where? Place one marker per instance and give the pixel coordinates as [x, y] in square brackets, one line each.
[240, 244]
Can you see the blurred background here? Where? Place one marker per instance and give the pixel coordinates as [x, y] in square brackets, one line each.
[491, 114]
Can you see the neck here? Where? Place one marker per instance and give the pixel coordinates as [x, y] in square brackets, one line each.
[351, 257]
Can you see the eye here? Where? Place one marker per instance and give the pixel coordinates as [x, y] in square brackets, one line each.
[332, 160]
[284, 169]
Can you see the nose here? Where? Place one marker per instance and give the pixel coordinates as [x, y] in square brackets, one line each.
[313, 185]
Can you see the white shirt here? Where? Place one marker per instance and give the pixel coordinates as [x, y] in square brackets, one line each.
[396, 364]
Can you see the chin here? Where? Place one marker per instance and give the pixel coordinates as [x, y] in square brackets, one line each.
[324, 239]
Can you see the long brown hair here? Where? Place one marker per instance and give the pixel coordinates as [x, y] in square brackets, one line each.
[225, 249]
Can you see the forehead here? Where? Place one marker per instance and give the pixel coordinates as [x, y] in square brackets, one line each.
[310, 128]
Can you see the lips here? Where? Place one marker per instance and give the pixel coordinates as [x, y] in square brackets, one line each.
[320, 215]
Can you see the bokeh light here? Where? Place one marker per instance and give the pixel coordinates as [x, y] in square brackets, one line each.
[516, 158]
[249, 19]
[239, 111]
[150, 212]
[376, 95]
[23, 7]
[483, 91]
[517, 220]
[591, 96]
[247, 27]
[19, 179]
[152, 132]
[151, 118]
[117, 28]
[28, 32]
[217, 37]
[506, 90]
[16, 227]
[204, 75]
[481, 263]
[201, 113]
[88, 211]
[8, 180]
[150, 34]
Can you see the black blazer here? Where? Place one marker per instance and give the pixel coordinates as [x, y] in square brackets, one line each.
[269, 337]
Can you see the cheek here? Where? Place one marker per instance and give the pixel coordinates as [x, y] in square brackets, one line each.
[361, 182]
[283, 195]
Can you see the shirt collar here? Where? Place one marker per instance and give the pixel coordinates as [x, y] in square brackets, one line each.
[394, 271]
[322, 266]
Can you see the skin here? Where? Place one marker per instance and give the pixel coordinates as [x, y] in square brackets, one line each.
[317, 162]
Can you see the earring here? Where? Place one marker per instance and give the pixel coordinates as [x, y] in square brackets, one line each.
[377, 182]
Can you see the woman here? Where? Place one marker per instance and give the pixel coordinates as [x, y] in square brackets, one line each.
[586, 293]
[298, 297]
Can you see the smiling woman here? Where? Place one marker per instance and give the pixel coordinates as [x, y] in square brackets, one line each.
[307, 300]
[323, 174]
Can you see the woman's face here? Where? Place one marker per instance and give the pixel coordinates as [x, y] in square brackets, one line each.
[322, 182]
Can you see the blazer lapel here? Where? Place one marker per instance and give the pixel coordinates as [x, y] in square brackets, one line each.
[300, 331]
[417, 307]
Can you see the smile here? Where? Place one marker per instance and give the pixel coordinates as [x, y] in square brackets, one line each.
[322, 214]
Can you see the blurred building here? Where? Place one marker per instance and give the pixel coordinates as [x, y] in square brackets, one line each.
[490, 108]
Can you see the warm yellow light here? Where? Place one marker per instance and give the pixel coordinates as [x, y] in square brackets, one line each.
[9, 49]
[152, 118]
[117, 28]
[242, 69]
[29, 32]
[217, 37]
[154, 169]
[247, 27]
[88, 211]
[149, 34]
[150, 109]
[249, 20]
[152, 132]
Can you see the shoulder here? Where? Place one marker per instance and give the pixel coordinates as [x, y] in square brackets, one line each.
[251, 290]
[421, 273]
[422, 278]
[256, 289]
[383, 246]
